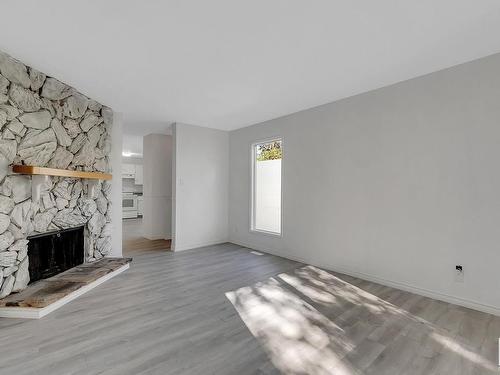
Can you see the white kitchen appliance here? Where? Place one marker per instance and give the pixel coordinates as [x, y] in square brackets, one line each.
[129, 205]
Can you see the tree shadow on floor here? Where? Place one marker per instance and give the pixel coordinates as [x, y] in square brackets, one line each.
[314, 322]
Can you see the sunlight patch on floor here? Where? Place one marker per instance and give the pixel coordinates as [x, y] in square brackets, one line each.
[298, 337]
[287, 315]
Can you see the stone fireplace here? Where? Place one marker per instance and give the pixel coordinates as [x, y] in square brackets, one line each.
[46, 123]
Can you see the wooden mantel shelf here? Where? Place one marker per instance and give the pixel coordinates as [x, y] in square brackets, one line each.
[29, 169]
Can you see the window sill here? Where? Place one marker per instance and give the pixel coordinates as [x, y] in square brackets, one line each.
[271, 234]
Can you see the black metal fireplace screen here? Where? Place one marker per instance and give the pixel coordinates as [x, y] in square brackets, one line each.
[54, 252]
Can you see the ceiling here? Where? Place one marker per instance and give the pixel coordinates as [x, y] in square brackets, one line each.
[232, 63]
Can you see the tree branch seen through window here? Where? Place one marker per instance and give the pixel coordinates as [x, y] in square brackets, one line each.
[269, 151]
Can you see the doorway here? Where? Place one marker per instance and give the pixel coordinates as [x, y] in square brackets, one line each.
[142, 192]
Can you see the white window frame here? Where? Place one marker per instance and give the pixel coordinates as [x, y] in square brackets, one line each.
[253, 156]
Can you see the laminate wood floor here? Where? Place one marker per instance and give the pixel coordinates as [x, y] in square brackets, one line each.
[222, 310]
[133, 241]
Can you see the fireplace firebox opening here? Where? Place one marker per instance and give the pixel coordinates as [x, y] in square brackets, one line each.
[55, 252]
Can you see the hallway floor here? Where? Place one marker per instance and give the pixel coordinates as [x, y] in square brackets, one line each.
[134, 242]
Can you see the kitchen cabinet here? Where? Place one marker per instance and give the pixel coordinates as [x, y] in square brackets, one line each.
[128, 171]
[138, 174]
[133, 171]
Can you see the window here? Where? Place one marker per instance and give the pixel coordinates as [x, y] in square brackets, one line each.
[266, 186]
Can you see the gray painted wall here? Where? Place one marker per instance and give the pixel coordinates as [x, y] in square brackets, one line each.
[397, 185]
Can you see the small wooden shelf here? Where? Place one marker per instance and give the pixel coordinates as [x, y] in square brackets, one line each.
[29, 169]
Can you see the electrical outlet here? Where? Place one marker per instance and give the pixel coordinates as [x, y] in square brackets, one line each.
[459, 274]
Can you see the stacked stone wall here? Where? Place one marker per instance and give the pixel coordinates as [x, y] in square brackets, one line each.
[44, 122]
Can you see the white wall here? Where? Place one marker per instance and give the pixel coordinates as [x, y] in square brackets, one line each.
[397, 185]
[116, 184]
[157, 186]
[201, 186]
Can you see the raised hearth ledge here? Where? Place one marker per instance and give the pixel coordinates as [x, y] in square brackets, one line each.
[12, 306]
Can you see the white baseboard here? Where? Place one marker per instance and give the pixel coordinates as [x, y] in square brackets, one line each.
[394, 284]
[37, 313]
[183, 247]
